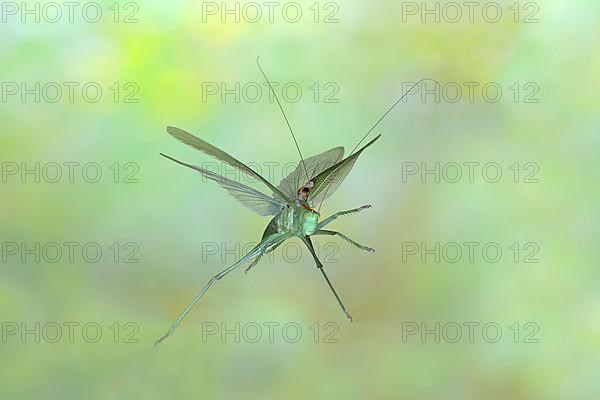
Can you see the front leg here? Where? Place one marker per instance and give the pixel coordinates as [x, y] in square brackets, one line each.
[330, 219]
[346, 238]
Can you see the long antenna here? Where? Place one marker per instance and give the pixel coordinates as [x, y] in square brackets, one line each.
[374, 126]
[390, 109]
[284, 116]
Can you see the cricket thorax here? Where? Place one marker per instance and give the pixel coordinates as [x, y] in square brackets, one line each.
[310, 220]
[298, 218]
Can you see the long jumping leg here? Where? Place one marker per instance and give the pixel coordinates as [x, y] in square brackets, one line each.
[255, 252]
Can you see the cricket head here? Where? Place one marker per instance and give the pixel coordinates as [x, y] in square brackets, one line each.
[310, 220]
[305, 190]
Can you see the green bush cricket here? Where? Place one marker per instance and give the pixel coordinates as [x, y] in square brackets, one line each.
[291, 204]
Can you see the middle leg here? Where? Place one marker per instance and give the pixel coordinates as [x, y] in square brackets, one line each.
[346, 238]
[309, 244]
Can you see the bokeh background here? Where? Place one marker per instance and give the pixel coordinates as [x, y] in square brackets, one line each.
[171, 221]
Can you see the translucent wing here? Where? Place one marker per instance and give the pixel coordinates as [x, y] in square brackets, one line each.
[328, 181]
[219, 154]
[251, 198]
[314, 165]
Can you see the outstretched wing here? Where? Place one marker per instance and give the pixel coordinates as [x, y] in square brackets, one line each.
[328, 181]
[251, 198]
[314, 166]
[209, 149]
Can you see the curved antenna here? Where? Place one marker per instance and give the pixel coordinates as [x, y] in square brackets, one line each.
[375, 125]
[390, 109]
[284, 116]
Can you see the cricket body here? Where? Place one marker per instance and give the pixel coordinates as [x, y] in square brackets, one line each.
[291, 202]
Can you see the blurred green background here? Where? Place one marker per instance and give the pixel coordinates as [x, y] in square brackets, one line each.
[167, 218]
